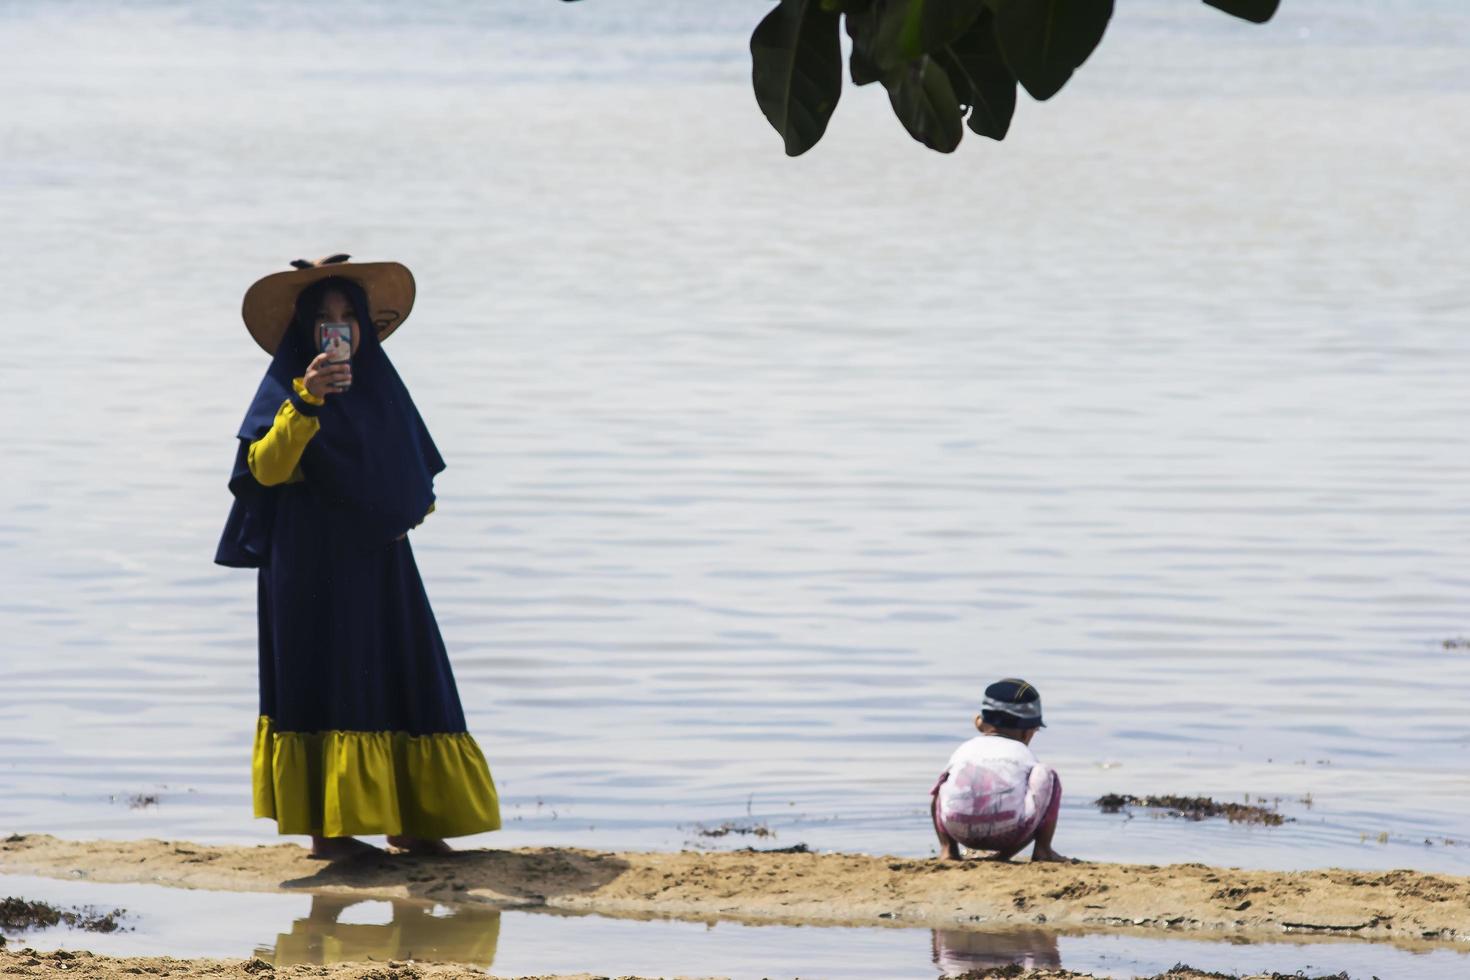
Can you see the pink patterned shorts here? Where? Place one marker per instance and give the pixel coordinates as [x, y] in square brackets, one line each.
[981, 827]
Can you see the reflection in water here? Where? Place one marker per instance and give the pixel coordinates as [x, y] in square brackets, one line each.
[957, 951]
[462, 934]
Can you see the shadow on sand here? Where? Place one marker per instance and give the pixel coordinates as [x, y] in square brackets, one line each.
[505, 879]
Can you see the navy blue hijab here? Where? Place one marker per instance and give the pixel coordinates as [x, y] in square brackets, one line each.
[371, 465]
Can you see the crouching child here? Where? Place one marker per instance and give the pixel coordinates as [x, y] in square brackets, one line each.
[994, 795]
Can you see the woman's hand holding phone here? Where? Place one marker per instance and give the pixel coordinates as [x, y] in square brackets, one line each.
[327, 377]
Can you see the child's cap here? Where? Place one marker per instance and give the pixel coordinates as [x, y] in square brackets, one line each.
[1012, 703]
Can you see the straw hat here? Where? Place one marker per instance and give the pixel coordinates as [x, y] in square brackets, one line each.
[270, 303]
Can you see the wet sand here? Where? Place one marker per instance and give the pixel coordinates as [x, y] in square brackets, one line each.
[1405, 907]
[28, 963]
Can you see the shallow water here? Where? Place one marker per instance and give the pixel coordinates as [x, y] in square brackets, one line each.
[287, 929]
[761, 468]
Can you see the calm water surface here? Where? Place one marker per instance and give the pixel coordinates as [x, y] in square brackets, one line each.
[760, 469]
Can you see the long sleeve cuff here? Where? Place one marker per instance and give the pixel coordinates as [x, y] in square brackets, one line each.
[303, 400]
[274, 457]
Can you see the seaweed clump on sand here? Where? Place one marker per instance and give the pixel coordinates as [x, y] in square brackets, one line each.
[1183, 971]
[1192, 808]
[23, 915]
[1179, 971]
[730, 827]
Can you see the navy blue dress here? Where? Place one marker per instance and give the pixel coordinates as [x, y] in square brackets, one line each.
[361, 730]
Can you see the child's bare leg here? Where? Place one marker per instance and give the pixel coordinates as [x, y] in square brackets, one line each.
[949, 849]
[1043, 850]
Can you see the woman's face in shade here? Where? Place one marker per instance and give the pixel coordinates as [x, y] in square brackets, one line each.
[335, 308]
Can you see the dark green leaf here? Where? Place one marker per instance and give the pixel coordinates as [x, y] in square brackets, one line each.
[924, 101]
[931, 24]
[874, 31]
[889, 33]
[863, 71]
[861, 27]
[1044, 41]
[797, 71]
[1258, 11]
[981, 79]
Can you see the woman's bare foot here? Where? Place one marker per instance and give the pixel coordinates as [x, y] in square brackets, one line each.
[421, 846]
[340, 848]
[951, 852]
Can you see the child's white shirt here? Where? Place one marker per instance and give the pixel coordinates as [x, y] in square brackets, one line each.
[987, 781]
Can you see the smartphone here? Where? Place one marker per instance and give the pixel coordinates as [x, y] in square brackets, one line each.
[335, 340]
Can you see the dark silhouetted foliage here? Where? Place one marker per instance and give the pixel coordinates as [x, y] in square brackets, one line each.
[945, 63]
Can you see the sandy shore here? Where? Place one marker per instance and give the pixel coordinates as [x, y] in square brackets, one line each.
[1405, 907]
[29, 963]
[86, 966]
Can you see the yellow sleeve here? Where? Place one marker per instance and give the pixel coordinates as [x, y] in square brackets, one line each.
[273, 457]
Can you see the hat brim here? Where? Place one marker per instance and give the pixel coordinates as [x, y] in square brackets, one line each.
[270, 303]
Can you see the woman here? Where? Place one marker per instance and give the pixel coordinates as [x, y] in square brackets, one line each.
[360, 728]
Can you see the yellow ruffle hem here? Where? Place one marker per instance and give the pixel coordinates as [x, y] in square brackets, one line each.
[341, 784]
